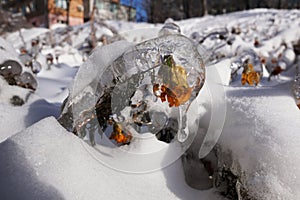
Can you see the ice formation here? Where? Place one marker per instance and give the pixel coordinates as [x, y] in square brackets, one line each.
[125, 91]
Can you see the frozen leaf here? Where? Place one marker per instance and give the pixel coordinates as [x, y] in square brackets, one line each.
[119, 135]
[249, 75]
[125, 93]
[175, 87]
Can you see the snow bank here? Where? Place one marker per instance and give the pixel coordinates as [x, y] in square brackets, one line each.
[7, 52]
[262, 134]
[14, 116]
[57, 81]
[27, 34]
[47, 162]
[14, 119]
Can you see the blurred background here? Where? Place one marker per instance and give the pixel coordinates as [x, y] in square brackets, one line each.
[45, 13]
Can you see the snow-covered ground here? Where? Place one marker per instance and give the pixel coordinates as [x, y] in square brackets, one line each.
[259, 135]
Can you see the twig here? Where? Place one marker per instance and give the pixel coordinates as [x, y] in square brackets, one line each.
[22, 38]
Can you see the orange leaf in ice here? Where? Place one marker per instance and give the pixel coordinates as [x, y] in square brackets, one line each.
[119, 136]
[175, 88]
[249, 75]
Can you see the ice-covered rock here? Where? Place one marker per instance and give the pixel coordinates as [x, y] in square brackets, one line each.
[9, 70]
[12, 70]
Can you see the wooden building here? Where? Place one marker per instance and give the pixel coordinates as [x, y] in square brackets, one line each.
[117, 10]
[65, 11]
[72, 12]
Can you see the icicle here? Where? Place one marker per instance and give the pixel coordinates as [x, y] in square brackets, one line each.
[183, 132]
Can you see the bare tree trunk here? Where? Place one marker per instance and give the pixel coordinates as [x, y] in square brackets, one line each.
[93, 34]
[204, 3]
[285, 4]
[86, 11]
[22, 38]
[46, 14]
[186, 8]
[279, 4]
[151, 12]
[68, 12]
[248, 4]
[147, 6]
[129, 10]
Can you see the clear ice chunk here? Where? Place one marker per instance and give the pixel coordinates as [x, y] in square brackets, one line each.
[128, 90]
[169, 28]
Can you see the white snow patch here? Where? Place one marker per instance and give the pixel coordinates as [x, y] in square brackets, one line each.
[50, 163]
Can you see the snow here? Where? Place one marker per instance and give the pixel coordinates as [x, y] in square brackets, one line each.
[47, 162]
[59, 78]
[264, 125]
[258, 127]
[7, 51]
[19, 118]
[28, 35]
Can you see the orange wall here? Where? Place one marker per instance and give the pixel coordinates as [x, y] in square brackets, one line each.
[76, 15]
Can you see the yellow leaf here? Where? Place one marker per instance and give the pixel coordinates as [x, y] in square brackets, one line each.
[175, 88]
[249, 75]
